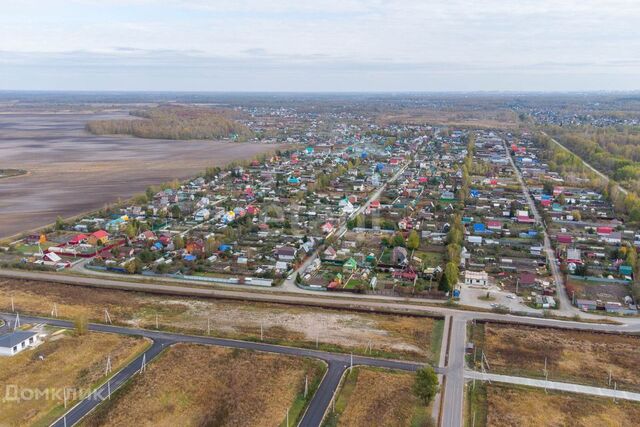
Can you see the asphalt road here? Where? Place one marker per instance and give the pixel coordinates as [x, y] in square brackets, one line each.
[337, 364]
[454, 389]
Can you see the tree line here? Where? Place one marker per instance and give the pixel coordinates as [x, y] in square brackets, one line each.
[175, 122]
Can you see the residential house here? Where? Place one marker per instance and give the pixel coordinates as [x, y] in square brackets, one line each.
[17, 341]
[476, 278]
[98, 237]
[286, 253]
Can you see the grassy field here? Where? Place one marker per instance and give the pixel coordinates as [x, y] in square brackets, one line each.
[393, 336]
[193, 385]
[572, 356]
[76, 362]
[378, 397]
[500, 405]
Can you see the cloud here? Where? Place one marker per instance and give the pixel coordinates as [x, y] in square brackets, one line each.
[380, 39]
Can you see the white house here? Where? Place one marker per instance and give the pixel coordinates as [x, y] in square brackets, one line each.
[15, 342]
[281, 267]
[202, 215]
[476, 278]
[347, 207]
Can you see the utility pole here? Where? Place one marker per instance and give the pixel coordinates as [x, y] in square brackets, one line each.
[157, 321]
[609, 377]
[546, 379]
[261, 332]
[144, 362]
[16, 324]
[108, 368]
[317, 338]
[107, 317]
[64, 393]
[54, 311]
[351, 365]
[13, 308]
[306, 385]
[287, 417]
[208, 326]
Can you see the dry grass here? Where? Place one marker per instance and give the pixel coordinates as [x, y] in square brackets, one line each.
[390, 335]
[192, 385]
[374, 397]
[583, 357]
[77, 362]
[511, 406]
[487, 118]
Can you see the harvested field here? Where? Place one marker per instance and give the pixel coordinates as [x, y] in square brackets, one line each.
[395, 336]
[193, 385]
[572, 356]
[72, 171]
[516, 406]
[377, 397]
[76, 362]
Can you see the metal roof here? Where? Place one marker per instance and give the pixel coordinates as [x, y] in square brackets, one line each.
[14, 338]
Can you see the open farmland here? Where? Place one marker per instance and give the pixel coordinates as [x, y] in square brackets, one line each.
[71, 171]
[404, 337]
[378, 397]
[572, 356]
[192, 385]
[518, 406]
[75, 362]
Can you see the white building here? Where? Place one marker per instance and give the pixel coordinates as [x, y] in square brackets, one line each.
[476, 278]
[15, 342]
[202, 215]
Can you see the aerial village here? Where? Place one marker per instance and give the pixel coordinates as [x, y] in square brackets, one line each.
[440, 214]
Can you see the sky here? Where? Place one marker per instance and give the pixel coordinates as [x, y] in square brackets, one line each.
[320, 45]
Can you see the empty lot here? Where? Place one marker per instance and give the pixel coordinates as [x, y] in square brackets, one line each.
[396, 336]
[192, 385]
[516, 406]
[571, 356]
[378, 397]
[71, 171]
[64, 360]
